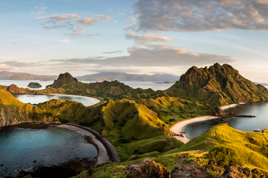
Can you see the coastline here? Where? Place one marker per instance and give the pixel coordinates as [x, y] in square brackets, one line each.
[178, 127]
[102, 152]
[96, 101]
[107, 151]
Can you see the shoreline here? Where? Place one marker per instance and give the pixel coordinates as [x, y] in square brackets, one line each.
[102, 151]
[96, 101]
[104, 143]
[178, 127]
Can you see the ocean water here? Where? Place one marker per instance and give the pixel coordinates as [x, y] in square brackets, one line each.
[133, 84]
[19, 148]
[259, 109]
[35, 99]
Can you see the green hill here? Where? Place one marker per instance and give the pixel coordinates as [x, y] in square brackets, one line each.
[217, 84]
[220, 146]
[63, 79]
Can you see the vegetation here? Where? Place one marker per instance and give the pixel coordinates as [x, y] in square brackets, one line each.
[217, 84]
[219, 146]
[137, 121]
[34, 85]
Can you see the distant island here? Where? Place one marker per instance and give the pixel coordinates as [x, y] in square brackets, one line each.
[34, 85]
[138, 123]
[110, 76]
[5, 75]
[165, 82]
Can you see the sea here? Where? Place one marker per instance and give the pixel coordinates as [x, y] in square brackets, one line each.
[25, 149]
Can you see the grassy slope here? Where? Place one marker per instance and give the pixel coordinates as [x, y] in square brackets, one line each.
[248, 149]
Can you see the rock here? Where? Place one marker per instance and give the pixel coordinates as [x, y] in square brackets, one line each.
[15, 89]
[199, 172]
[63, 79]
[146, 169]
[217, 111]
[185, 155]
[235, 171]
[34, 85]
[34, 161]
[2, 165]
[217, 169]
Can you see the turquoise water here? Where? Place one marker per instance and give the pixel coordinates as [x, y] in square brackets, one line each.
[35, 99]
[19, 148]
[260, 110]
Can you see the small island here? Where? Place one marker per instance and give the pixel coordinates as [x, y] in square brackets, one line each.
[34, 85]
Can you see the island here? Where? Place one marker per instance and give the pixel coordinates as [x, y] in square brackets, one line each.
[141, 124]
[34, 85]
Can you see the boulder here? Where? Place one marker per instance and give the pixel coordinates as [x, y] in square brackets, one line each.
[146, 169]
[198, 172]
[235, 171]
[217, 111]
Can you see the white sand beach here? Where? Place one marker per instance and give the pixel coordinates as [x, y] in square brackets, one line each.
[86, 97]
[178, 128]
[103, 156]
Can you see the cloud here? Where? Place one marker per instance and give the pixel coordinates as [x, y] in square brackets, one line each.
[73, 24]
[66, 41]
[4, 67]
[39, 10]
[200, 15]
[147, 37]
[15, 43]
[118, 12]
[152, 56]
[17, 63]
[113, 52]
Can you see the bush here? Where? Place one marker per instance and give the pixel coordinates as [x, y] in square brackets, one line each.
[222, 157]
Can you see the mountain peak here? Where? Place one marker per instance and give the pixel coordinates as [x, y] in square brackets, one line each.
[221, 84]
[64, 79]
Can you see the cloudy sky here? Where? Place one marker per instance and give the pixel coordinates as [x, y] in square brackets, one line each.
[134, 36]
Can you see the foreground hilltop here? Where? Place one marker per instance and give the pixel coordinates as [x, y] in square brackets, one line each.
[221, 84]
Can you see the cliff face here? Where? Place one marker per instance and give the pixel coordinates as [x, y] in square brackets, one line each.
[217, 84]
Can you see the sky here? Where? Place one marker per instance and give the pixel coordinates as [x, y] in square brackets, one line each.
[133, 36]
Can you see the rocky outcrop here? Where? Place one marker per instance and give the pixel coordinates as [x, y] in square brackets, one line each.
[217, 111]
[34, 85]
[16, 90]
[63, 79]
[218, 84]
[146, 169]
[199, 172]
[235, 171]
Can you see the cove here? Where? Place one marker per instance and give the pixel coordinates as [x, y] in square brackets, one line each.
[259, 109]
[36, 99]
[24, 149]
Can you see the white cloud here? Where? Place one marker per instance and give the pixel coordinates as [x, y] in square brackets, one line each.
[65, 41]
[15, 43]
[152, 56]
[73, 24]
[147, 37]
[201, 15]
[39, 10]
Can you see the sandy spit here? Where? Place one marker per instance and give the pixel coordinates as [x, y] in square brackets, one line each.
[178, 128]
[95, 100]
[103, 155]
